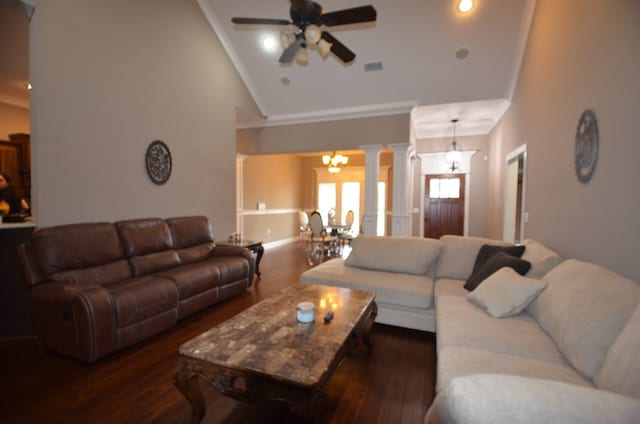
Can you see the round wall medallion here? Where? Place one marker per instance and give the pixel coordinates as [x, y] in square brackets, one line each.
[158, 162]
[586, 154]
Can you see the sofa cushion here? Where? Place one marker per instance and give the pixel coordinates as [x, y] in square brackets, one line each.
[449, 287]
[495, 263]
[108, 273]
[457, 361]
[408, 255]
[141, 298]
[391, 288]
[194, 278]
[505, 293]
[192, 238]
[148, 244]
[510, 399]
[584, 309]
[76, 246]
[459, 255]
[460, 323]
[620, 371]
[542, 258]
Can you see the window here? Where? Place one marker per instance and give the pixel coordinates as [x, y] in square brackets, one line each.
[351, 201]
[326, 199]
[444, 188]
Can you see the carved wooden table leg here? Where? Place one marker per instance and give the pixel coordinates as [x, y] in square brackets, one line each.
[185, 382]
[366, 331]
[259, 249]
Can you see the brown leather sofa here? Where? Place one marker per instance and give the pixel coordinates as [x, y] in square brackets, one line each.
[96, 288]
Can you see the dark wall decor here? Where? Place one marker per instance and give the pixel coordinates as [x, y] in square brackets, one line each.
[158, 162]
[587, 140]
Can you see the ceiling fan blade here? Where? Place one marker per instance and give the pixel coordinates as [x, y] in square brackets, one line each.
[289, 53]
[339, 49]
[349, 16]
[260, 21]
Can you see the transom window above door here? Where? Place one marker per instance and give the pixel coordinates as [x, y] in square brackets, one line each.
[444, 188]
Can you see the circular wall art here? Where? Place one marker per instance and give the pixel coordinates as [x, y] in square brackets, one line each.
[586, 154]
[158, 162]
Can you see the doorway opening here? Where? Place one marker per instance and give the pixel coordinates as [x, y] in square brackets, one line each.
[514, 199]
[444, 204]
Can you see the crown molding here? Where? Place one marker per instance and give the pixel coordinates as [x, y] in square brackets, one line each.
[365, 111]
[226, 44]
[14, 101]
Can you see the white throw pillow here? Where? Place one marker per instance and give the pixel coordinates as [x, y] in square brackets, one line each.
[505, 293]
[542, 258]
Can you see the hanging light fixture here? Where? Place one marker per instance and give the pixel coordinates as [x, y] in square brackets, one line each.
[454, 153]
[333, 162]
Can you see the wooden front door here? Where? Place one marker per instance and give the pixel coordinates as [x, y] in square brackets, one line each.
[444, 205]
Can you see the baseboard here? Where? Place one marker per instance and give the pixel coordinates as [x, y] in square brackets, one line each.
[279, 243]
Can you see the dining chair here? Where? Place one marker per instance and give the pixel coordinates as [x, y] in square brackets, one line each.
[305, 231]
[319, 236]
[345, 235]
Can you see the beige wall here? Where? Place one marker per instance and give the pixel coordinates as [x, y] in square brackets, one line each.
[13, 119]
[581, 54]
[111, 76]
[275, 180]
[478, 178]
[332, 135]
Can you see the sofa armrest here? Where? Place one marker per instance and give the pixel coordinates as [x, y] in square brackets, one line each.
[510, 399]
[237, 251]
[74, 319]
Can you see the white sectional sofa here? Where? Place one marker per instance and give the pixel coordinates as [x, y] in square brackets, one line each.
[572, 356]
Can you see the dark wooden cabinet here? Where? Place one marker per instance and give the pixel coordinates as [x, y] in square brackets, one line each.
[15, 160]
[14, 312]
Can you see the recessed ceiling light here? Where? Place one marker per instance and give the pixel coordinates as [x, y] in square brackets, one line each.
[269, 43]
[465, 6]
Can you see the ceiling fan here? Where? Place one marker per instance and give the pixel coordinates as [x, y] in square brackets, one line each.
[308, 17]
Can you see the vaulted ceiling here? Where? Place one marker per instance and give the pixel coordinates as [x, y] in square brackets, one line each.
[417, 42]
[448, 64]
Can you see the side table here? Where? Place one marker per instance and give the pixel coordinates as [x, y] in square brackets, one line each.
[255, 246]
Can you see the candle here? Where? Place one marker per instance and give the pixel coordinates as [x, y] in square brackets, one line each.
[306, 312]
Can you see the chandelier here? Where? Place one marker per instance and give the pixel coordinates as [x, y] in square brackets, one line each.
[454, 153]
[333, 162]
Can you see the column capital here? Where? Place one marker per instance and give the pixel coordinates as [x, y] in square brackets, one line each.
[241, 157]
[371, 148]
[400, 147]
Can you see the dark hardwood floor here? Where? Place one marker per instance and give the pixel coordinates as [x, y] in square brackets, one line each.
[393, 383]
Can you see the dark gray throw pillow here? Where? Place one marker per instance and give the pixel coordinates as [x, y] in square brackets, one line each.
[496, 262]
[488, 250]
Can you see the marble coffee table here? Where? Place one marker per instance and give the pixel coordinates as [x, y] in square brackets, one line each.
[263, 353]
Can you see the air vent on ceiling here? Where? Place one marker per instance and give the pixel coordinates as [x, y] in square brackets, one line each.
[373, 66]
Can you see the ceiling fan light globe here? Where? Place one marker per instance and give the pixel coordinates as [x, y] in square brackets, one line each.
[301, 57]
[333, 169]
[324, 47]
[286, 39]
[326, 159]
[312, 34]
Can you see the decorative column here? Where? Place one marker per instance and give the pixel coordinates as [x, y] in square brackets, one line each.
[371, 171]
[400, 217]
[240, 193]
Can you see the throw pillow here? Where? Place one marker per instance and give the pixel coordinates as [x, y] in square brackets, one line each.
[488, 250]
[541, 257]
[497, 261]
[506, 293]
